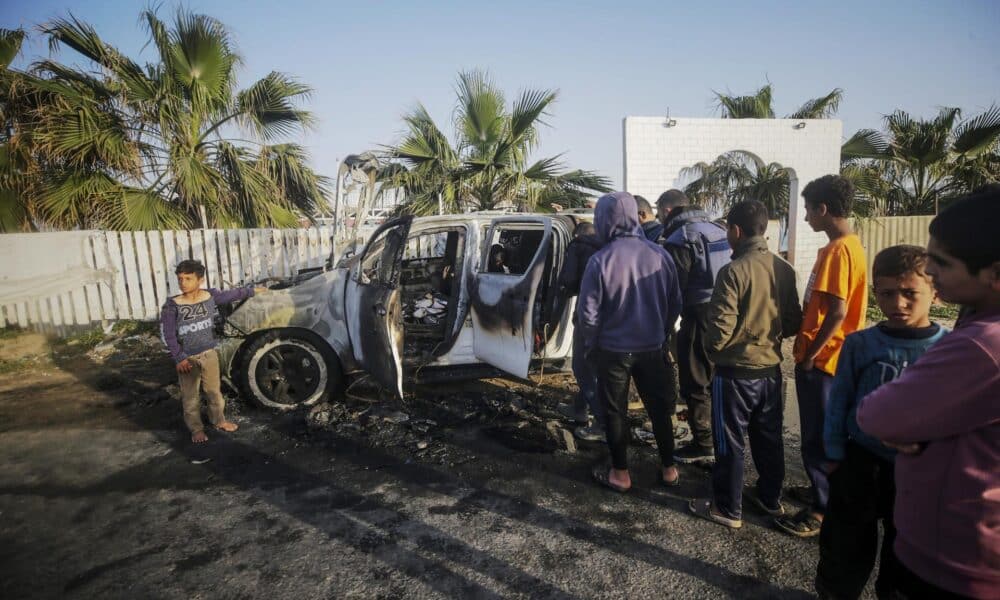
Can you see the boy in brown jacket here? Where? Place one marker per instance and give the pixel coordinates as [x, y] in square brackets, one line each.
[754, 306]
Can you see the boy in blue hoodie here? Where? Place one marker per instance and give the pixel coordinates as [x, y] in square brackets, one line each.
[629, 302]
[860, 467]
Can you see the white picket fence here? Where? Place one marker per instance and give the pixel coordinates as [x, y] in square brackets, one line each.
[142, 264]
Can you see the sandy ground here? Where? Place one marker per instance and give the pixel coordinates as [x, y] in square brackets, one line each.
[102, 495]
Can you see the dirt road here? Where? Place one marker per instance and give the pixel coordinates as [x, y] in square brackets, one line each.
[102, 495]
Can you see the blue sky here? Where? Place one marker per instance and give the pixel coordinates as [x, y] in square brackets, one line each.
[370, 62]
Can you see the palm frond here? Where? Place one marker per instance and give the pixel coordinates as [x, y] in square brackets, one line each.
[10, 45]
[756, 106]
[820, 108]
[480, 112]
[979, 134]
[203, 59]
[134, 209]
[865, 143]
[530, 107]
[268, 106]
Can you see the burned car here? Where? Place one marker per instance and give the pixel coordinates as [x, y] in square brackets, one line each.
[427, 297]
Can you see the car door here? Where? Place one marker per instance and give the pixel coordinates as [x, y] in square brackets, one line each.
[373, 305]
[503, 303]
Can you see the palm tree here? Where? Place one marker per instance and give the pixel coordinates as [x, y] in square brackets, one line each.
[165, 145]
[736, 176]
[488, 164]
[758, 105]
[918, 164]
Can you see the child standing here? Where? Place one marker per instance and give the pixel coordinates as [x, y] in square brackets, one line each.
[943, 415]
[187, 324]
[754, 306]
[836, 301]
[862, 487]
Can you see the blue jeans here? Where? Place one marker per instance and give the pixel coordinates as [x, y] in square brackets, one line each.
[813, 390]
[586, 380]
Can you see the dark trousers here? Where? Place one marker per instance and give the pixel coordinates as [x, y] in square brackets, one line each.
[695, 373]
[862, 491]
[654, 381]
[813, 390]
[586, 381]
[741, 407]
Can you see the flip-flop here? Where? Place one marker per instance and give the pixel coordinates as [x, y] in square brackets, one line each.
[704, 508]
[601, 475]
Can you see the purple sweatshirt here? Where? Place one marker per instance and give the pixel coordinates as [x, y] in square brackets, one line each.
[947, 509]
[188, 329]
[629, 297]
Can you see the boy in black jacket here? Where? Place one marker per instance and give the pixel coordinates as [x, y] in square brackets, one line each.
[579, 251]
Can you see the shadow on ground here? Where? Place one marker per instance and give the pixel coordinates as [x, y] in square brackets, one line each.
[501, 523]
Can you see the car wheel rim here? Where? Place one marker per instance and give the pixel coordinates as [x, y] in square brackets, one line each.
[288, 374]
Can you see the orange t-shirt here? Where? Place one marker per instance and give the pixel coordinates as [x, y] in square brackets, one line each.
[839, 271]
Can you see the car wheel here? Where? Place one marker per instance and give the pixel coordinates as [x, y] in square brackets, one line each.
[286, 371]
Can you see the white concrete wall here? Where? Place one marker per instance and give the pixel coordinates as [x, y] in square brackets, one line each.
[654, 155]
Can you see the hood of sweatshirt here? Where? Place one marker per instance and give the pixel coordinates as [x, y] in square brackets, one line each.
[616, 216]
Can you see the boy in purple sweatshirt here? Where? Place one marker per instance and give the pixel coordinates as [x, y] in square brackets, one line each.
[187, 325]
[943, 415]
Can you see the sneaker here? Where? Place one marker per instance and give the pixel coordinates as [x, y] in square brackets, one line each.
[591, 433]
[569, 412]
[694, 454]
[754, 498]
[705, 508]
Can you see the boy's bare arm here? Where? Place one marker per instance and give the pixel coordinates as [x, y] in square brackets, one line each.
[835, 310]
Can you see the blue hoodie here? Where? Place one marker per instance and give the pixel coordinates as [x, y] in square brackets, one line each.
[629, 297]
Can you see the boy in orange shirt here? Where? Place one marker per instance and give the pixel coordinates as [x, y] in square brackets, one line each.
[835, 304]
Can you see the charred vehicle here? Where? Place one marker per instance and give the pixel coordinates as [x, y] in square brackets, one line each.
[427, 297]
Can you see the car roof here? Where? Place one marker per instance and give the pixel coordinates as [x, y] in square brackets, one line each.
[485, 217]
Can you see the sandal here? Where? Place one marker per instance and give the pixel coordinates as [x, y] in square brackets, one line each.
[601, 474]
[705, 508]
[802, 524]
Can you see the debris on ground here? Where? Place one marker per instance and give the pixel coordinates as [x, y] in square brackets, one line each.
[428, 309]
[142, 346]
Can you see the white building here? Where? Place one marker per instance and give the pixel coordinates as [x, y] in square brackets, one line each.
[656, 149]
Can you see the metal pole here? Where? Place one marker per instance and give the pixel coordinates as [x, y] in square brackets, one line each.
[336, 209]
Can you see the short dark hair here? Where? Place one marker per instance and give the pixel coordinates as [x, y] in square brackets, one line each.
[585, 228]
[642, 205]
[190, 266]
[750, 216]
[836, 192]
[968, 228]
[899, 261]
[672, 198]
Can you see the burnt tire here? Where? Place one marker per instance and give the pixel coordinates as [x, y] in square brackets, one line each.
[284, 371]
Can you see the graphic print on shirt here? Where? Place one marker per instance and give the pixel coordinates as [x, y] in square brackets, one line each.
[191, 312]
[889, 371]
